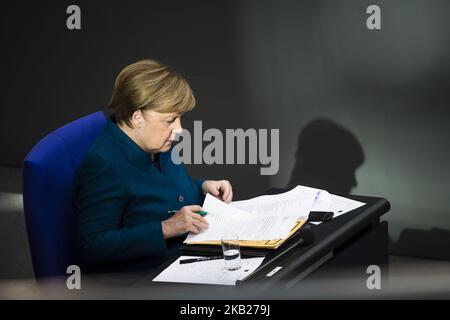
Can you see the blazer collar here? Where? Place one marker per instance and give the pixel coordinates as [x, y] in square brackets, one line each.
[133, 152]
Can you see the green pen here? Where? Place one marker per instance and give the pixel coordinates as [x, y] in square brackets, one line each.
[202, 213]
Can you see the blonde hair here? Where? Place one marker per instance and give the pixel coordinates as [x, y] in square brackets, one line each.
[149, 85]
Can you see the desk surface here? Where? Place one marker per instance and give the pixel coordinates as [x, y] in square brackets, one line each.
[328, 236]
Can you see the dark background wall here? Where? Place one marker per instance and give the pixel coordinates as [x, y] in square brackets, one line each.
[358, 111]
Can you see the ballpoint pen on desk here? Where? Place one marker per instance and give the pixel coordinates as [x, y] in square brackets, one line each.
[202, 213]
[200, 259]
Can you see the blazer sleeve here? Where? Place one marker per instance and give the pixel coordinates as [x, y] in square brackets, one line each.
[199, 183]
[99, 203]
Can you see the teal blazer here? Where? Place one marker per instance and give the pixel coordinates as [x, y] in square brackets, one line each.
[120, 199]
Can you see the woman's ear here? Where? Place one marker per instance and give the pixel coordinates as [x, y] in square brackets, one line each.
[137, 119]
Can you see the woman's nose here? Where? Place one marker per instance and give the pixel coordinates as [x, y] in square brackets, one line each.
[178, 125]
[176, 131]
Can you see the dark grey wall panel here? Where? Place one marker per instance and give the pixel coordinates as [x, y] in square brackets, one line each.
[369, 108]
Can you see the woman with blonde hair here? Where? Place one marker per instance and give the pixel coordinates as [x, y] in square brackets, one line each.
[128, 183]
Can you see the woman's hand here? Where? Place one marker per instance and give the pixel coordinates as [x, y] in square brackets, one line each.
[185, 220]
[220, 189]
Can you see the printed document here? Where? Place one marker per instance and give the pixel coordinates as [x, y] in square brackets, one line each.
[262, 218]
[207, 272]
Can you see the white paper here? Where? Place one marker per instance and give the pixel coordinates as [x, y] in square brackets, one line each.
[336, 204]
[295, 203]
[207, 272]
[224, 219]
[270, 216]
[341, 205]
[322, 201]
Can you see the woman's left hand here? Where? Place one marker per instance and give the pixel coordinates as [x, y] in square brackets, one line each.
[221, 189]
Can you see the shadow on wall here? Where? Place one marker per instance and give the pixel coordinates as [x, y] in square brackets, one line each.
[432, 243]
[327, 157]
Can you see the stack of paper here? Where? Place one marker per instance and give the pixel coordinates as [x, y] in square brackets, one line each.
[207, 272]
[267, 221]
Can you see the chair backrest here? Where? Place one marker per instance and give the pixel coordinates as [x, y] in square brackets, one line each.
[48, 175]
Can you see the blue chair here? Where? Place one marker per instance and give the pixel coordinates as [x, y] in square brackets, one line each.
[48, 174]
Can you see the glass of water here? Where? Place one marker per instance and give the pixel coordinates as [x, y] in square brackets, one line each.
[231, 252]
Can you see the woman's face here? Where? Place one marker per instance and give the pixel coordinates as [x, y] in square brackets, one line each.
[157, 130]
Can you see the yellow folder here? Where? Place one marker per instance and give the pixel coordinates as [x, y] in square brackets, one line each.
[265, 244]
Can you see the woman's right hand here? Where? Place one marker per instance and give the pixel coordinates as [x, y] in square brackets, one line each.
[185, 220]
